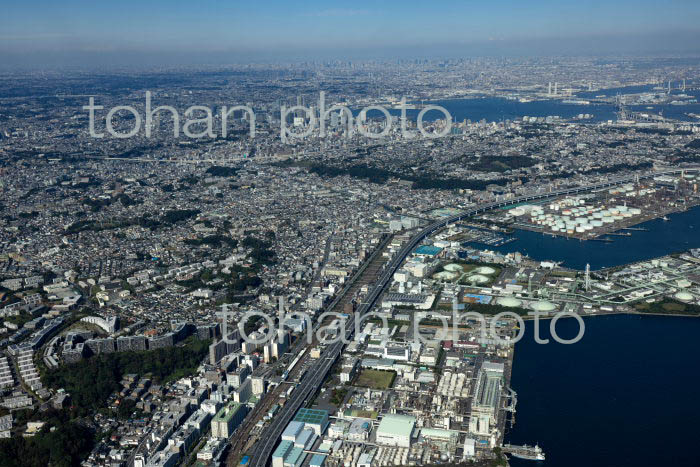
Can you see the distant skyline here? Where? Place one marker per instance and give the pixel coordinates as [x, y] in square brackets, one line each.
[171, 31]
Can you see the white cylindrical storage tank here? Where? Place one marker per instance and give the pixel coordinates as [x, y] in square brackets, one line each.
[544, 306]
[684, 296]
[509, 302]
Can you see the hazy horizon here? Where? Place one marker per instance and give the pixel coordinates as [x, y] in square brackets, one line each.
[80, 33]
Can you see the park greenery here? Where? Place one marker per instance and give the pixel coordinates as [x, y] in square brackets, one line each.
[92, 381]
[60, 443]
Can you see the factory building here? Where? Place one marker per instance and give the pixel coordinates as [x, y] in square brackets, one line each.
[315, 419]
[288, 455]
[396, 430]
[487, 398]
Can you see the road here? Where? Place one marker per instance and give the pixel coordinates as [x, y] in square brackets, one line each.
[313, 380]
[241, 437]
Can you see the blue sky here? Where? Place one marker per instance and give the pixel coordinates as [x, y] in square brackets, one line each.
[268, 27]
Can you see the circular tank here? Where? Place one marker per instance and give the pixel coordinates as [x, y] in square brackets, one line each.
[452, 267]
[485, 270]
[445, 275]
[543, 305]
[477, 279]
[509, 302]
[684, 296]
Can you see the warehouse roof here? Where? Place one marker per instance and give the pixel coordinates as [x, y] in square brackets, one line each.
[397, 425]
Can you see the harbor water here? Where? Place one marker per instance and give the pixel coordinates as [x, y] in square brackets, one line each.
[680, 233]
[625, 395]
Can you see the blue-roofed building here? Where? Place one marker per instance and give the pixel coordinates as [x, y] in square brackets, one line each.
[317, 460]
[315, 419]
[295, 458]
[306, 439]
[477, 298]
[282, 453]
[292, 431]
[286, 455]
[427, 250]
[299, 435]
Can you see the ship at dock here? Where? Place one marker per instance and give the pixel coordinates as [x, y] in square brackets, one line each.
[532, 453]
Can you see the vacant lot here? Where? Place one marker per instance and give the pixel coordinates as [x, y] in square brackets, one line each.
[375, 379]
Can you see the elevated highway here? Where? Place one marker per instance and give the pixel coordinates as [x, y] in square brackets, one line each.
[313, 380]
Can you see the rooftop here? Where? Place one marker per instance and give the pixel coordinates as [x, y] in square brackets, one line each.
[312, 416]
[227, 412]
[428, 250]
[398, 425]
